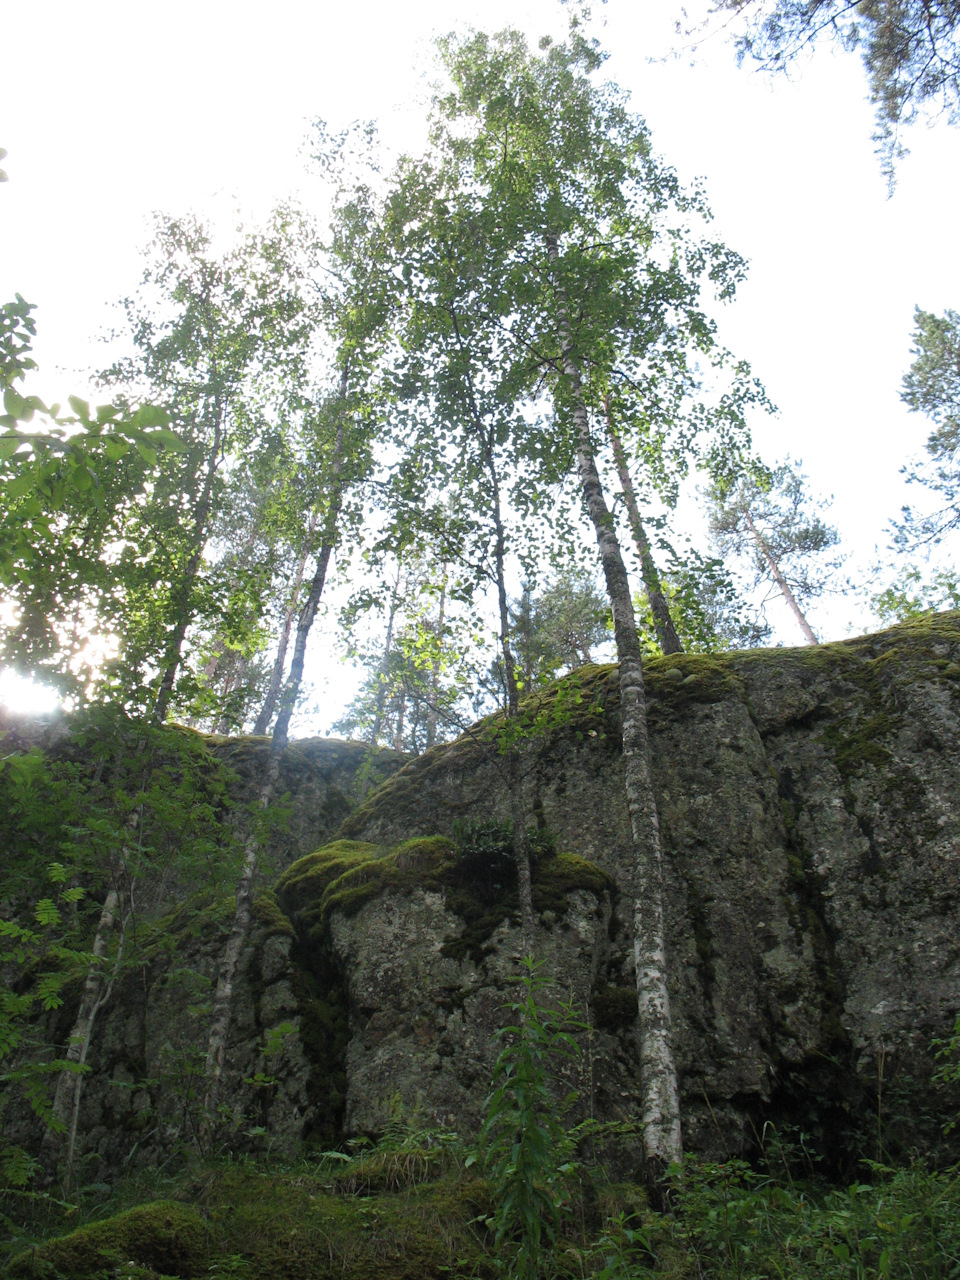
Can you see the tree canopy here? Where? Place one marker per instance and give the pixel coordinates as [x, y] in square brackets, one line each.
[909, 47]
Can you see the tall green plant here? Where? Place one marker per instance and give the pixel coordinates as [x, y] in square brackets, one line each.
[527, 1149]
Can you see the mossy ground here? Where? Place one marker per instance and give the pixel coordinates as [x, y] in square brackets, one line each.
[433, 1223]
[262, 1224]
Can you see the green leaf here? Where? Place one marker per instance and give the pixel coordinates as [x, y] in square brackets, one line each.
[115, 448]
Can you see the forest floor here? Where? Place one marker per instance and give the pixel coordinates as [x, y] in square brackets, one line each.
[425, 1213]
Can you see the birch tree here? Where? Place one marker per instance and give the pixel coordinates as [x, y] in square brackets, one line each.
[221, 340]
[771, 520]
[357, 306]
[578, 258]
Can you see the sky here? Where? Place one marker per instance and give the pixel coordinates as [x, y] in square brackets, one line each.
[115, 110]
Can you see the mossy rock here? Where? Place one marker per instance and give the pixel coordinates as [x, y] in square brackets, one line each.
[285, 1227]
[382, 1171]
[344, 876]
[615, 1008]
[270, 916]
[683, 679]
[165, 1237]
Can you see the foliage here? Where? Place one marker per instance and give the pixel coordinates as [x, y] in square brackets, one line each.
[768, 520]
[526, 1146]
[932, 387]
[909, 50]
[419, 676]
[113, 800]
[557, 628]
[917, 592]
[62, 502]
[948, 1054]
[707, 610]
[222, 340]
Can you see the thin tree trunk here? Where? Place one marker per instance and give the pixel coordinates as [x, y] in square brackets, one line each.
[102, 999]
[661, 1100]
[185, 590]
[223, 997]
[401, 713]
[234, 681]
[667, 636]
[309, 611]
[78, 1042]
[230, 958]
[434, 697]
[262, 722]
[521, 844]
[384, 673]
[781, 581]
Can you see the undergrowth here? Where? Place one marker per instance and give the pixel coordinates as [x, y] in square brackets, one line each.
[411, 1210]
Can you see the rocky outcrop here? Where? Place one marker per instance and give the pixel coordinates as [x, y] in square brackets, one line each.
[811, 818]
[810, 809]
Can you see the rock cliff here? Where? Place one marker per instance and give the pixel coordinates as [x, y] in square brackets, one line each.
[811, 819]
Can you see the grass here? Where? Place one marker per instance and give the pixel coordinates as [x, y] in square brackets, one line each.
[413, 1208]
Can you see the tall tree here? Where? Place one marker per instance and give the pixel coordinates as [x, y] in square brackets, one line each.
[932, 387]
[667, 636]
[213, 336]
[558, 628]
[770, 518]
[568, 251]
[356, 310]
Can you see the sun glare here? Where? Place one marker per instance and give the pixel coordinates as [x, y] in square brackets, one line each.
[25, 697]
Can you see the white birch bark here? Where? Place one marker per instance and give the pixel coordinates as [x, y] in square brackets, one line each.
[660, 1111]
[66, 1094]
[221, 1016]
[102, 999]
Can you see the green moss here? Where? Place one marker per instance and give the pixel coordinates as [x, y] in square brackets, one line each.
[301, 888]
[166, 1236]
[345, 876]
[852, 750]
[297, 1228]
[424, 863]
[684, 679]
[269, 916]
[380, 1171]
[614, 1008]
[564, 873]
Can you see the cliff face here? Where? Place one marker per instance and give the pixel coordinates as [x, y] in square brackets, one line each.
[811, 819]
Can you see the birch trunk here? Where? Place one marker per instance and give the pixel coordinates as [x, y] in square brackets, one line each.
[66, 1095]
[384, 673]
[201, 518]
[223, 997]
[781, 581]
[661, 1102]
[667, 637]
[309, 611]
[221, 1015]
[434, 698]
[102, 999]
[262, 722]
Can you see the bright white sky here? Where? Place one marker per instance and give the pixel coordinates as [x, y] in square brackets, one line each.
[115, 109]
